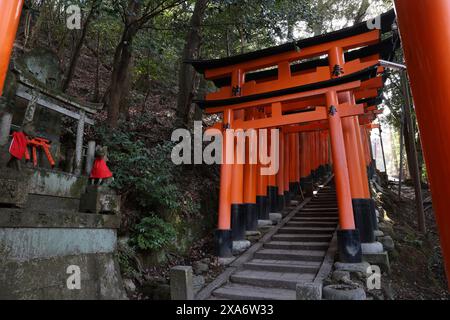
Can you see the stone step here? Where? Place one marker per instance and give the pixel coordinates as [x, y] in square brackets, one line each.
[41, 202]
[302, 237]
[271, 279]
[321, 205]
[305, 230]
[316, 215]
[283, 266]
[311, 224]
[235, 291]
[297, 255]
[315, 219]
[322, 209]
[296, 245]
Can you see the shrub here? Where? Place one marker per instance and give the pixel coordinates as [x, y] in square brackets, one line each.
[153, 233]
[146, 175]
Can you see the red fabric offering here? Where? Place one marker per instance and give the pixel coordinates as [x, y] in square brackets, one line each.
[100, 170]
[18, 145]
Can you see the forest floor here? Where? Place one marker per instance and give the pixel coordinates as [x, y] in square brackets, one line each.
[417, 269]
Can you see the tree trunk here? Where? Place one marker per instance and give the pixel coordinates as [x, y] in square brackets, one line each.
[78, 46]
[96, 95]
[119, 78]
[365, 4]
[136, 17]
[290, 29]
[186, 74]
[318, 23]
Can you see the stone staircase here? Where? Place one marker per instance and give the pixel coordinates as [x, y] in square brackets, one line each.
[293, 254]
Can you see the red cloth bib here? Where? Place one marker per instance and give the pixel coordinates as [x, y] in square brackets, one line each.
[18, 145]
[100, 170]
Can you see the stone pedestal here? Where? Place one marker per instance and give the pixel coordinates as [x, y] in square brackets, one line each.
[100, 199]
[309, 291]
[14, 188]
[181, 287]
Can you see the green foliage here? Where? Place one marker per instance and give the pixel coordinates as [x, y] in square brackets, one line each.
[146, 175]
[153, 233]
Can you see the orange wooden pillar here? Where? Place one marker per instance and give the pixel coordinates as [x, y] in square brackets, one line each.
[312, 154]
[280, 174]
[292, 160]
[363, 206]
[262, 199]
[426, 42]
[238, 218]
[306, 182]
[250, 179]
[10, 11]
[317, 158]
[320, 154]
[223, 233]
[297, 160]
[287, 193]
[329, 158]
[324, 149]
[293, 164]
[349, 243]
[272, 187]
[362, 159]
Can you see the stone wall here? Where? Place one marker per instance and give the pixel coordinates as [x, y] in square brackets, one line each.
[40, 240]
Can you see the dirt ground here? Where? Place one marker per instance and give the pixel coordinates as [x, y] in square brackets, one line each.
[417, 270]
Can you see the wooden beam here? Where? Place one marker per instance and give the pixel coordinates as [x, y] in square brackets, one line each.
[287, 98]
[21, 93]
[278, 121]
[371, 37]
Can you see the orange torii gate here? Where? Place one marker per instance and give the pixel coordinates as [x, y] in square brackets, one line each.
[286, 91]
[425, 37]
[10, 12]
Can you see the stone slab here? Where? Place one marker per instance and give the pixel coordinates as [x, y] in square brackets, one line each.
[181, 283]
[275, 217]
[24, 218]
[100, 199]
[379, 259]
[57, 184]
[23, 244]
[14, 187]
[309, 291]
[241, 246]
[352, 267]
[46, 279]
[371, 248]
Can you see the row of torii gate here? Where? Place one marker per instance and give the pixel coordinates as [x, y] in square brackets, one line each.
[322, 94]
